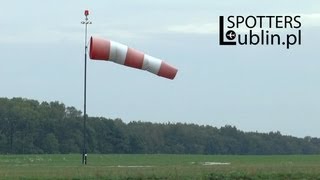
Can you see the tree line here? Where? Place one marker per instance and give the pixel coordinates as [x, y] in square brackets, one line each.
[32, 127]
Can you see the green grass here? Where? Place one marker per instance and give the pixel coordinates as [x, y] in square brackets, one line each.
[159, 167]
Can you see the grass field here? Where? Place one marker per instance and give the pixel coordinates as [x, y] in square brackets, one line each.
[159, 167]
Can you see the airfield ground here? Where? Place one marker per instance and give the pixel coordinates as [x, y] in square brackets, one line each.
[159, 167]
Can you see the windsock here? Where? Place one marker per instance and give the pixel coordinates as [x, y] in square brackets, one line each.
[103, 49]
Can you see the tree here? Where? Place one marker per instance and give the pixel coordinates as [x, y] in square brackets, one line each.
[27, 126]
[51, 144]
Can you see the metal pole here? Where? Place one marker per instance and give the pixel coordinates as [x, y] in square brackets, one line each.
[84, 150]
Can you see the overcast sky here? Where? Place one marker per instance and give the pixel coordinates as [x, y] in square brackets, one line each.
[254, 88]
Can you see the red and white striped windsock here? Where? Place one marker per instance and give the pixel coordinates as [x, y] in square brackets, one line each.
[103, 49]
